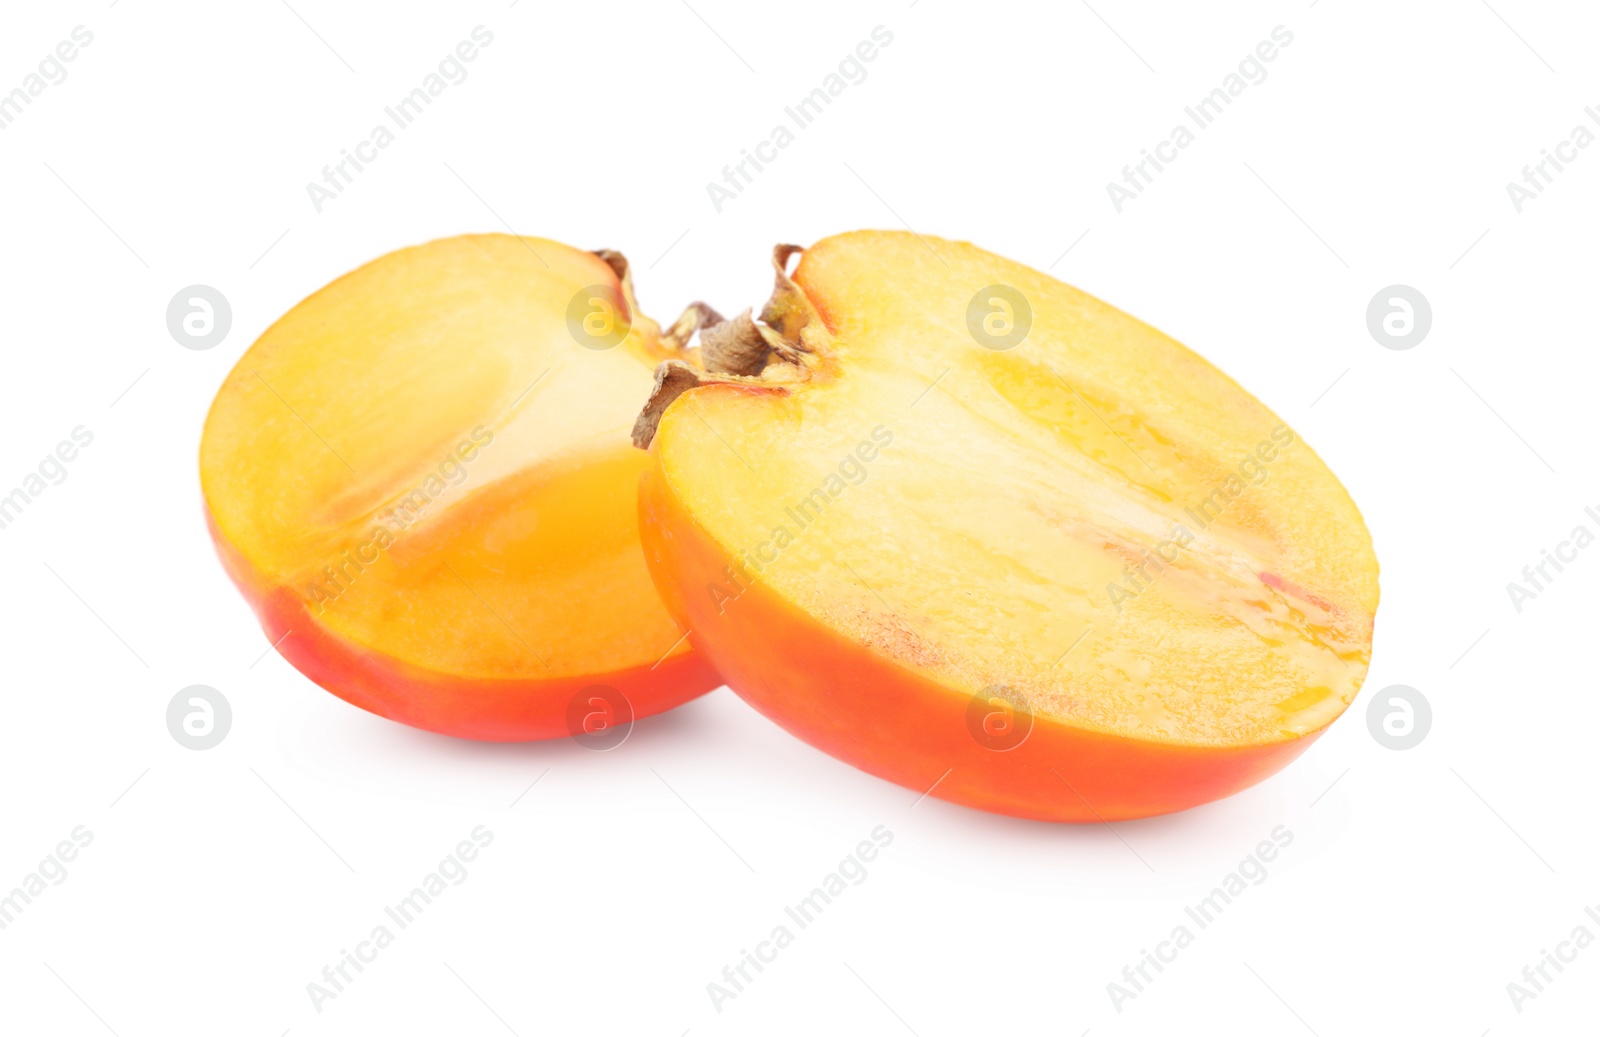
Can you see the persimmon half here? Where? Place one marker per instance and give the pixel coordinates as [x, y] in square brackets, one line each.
[421, 479]
[978, 533]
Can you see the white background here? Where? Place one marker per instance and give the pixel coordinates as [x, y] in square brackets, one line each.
[220, 883]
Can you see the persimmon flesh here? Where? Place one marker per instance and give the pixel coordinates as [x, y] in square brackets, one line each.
[420, 478]
[1079, 575]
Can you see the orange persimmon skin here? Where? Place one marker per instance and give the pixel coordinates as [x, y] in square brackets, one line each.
[882, 718]
[508, 710]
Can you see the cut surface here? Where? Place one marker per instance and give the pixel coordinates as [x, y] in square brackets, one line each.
[423, 460]
[1095, 519]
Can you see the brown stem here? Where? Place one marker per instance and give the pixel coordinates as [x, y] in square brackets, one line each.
[738, 350]
[697, 317]
[673, 379]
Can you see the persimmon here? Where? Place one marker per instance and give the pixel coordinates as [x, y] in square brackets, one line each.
[421, 479]
[976, 532]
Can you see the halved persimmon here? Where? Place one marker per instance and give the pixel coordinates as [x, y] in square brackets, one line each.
[421, 479]
[976, 532]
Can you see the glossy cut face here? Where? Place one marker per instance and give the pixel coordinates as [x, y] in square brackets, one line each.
[1089, 519]
[422, 462]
